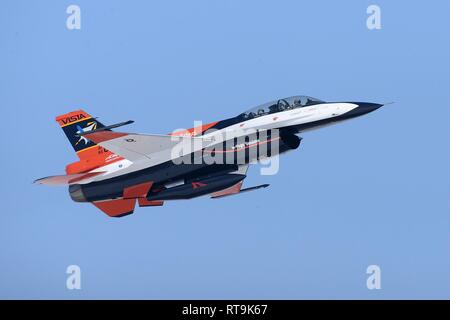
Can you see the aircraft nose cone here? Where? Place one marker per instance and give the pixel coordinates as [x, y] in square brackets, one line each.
[361, 109]
[366, 107]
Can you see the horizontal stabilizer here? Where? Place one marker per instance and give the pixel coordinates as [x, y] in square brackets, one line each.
[231, 192]
[67, 179]
[116, 208]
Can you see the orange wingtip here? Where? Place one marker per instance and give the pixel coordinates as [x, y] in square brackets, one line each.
[72, 117]
[228, 191]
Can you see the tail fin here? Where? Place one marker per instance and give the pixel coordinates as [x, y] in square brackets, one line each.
[76, 122]
[91, 155]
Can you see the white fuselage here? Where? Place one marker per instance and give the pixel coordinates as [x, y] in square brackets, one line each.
[278, 120]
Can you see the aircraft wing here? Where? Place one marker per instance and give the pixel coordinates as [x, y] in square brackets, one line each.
[134, 146]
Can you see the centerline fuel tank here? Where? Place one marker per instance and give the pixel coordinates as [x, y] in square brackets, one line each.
[196, 188]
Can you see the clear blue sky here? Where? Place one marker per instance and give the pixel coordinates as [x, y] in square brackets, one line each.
[374, 190]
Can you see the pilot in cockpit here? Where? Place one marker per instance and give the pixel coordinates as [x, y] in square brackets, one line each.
[297, 103]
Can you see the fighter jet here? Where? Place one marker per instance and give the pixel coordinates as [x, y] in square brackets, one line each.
[116, 170]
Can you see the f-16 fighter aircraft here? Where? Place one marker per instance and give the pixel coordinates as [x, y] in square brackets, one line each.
[117, 169]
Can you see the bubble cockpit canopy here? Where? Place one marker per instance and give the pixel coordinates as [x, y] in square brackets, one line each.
[280, 105]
